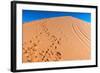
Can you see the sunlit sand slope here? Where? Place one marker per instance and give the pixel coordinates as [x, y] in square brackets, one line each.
[56, 39]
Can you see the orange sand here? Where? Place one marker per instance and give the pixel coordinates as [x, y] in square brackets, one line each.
[56, 39]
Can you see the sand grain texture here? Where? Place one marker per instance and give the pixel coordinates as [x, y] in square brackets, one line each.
[56, 39]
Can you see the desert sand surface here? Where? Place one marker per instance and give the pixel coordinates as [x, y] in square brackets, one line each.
[56, 39]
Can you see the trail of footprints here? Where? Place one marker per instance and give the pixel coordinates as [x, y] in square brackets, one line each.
[34, 53]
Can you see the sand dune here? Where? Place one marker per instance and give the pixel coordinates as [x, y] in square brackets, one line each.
[56, 39]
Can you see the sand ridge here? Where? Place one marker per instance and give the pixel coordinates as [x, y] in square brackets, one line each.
[56, 39]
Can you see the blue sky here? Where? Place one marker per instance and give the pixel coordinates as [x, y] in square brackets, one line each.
[32, 15]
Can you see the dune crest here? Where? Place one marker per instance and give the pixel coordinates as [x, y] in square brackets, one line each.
[56, 39]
